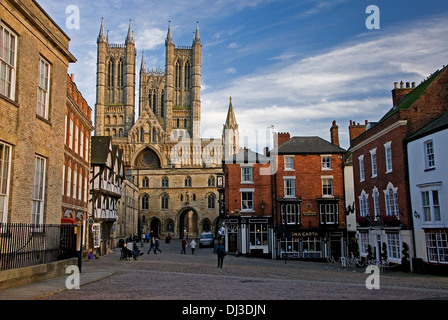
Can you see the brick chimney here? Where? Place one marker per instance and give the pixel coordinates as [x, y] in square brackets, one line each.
[334, 133]
[280, 138]
[355, 129]
[399, 92]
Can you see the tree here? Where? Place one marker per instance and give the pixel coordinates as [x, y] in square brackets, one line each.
[384, 252]
[405, 258]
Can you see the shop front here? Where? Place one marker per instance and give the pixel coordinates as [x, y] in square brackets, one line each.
[248, 235]
[311, 245]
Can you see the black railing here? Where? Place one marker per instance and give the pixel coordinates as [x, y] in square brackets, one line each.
[24, 245]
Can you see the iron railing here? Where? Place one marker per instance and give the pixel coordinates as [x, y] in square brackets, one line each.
[24, 245]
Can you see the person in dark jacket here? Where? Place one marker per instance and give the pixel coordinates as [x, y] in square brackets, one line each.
[220, 251]
[156, 246]
[184, 246]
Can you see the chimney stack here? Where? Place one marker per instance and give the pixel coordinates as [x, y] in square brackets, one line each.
[334, 134]
[356, 129]
[280, 138]
[399, 92]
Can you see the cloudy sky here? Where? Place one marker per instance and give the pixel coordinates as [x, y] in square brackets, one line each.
[294, 65]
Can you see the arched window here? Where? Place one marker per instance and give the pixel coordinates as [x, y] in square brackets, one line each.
[187, 76]
[391, 197]
[162, 104]
[211, 181]
[165, 182]
[188, 181]
[177, 76]
[110, 73]
[211, 201]
[364, 204]
[120, 82]
[154, 102]
[145, 202]
[145, 182]
[164, 201]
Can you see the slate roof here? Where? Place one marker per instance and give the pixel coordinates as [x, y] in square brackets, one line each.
[438, 124]
[308, 145]
[247, 156]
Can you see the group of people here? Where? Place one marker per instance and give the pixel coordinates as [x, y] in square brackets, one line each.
[155, 243]
[155, 246]
[219, 250]
[184, 246]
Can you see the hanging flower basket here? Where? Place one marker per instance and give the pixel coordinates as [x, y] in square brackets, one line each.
[390, 220]
[363, 221]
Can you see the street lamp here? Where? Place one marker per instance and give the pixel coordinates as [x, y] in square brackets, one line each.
[262, 207]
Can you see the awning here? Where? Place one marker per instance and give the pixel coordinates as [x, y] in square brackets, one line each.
[69, 221]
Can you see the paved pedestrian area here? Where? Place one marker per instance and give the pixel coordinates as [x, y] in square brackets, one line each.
[171, 275]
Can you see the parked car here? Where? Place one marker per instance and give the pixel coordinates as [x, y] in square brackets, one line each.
[206, 240]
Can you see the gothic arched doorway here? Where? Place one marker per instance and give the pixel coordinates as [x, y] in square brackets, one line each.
[188, 223]
[155, 227]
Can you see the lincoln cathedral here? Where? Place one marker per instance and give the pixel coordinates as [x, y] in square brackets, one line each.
[176, 171]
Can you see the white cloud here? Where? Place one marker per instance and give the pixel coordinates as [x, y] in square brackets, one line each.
[150, 39]
[230, 70]
[351, 81]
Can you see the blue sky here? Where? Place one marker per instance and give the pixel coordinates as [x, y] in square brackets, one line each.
[294, 65]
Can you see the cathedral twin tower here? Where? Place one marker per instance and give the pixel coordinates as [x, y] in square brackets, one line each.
[164, 142]
[169, 100]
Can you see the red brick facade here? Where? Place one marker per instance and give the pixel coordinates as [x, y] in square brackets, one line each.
[413, 108]
[76, 169]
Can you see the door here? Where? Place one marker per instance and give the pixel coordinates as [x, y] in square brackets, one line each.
[232, 234]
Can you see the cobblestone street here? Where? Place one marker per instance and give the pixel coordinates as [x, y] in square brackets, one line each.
[173, 276]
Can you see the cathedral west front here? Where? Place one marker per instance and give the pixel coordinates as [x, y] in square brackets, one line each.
[177, 172]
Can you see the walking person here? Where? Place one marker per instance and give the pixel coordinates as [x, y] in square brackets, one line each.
[152, 246]
[220, 251]
[156, 246]
[192, 246]
[184, 245]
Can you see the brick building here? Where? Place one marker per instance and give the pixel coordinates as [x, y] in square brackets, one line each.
[308, 189]
[34, 58]
[248, 203]
[76, 167]
[380, 167]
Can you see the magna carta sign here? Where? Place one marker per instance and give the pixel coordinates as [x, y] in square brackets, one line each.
[305, 234]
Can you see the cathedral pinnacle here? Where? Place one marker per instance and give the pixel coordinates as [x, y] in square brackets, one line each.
[143, 66]
[231, 119]
[101, 35]
[197, 39]
[169, 39]
[130, 36]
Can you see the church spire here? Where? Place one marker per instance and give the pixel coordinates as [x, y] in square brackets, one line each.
[130, 36]
[143, 66]
[169, 39]
[197, 39]
[231, 119]
[101, 35]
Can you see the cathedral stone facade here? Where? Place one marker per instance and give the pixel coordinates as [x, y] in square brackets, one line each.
[176, 171]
